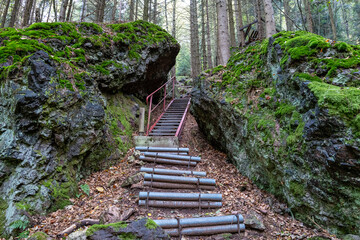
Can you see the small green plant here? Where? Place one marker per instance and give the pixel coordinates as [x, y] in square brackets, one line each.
[85, 188]
[21, 225]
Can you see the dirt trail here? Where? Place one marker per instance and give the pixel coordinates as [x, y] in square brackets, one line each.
[240, 195]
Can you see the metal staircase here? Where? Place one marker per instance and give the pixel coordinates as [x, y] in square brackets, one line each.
[172, 168]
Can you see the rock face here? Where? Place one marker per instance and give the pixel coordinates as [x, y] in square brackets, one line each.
[63, 109]
[286, 111]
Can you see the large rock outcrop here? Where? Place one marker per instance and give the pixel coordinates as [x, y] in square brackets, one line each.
[287, 112]
[64, 112]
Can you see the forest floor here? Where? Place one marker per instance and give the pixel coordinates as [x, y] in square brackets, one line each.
[240, 195]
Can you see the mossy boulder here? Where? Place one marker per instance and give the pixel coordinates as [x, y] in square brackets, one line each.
[69, 106]
[145, 229]
[286, 111]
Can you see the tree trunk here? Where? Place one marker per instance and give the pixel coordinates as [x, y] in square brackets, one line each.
[239, 23]
[173, 70]
[231, 24]
[203, 36]
[2, 6]
[223, 32]
[155, 12]
[194, 39]
[120, 8]
[247, 12]
[150, 10]
[72, 12]
[289, 25]
[14, 13]
[166, 17]
[83, 11]
[269, 18]
[260, 24]
[345, 19]
[42, 7]
[27, 12]
[332, 20]
[49, 12]
[32, 16]
[55, 11]
[69, 11]
[309, 19]
[208, 39]
[101, 10]
[5, 13]
[131, 14]
[146, 10]
[174, 20]
[301, 14]
[37, 15]
[136, 9]
[63, 9]
[113, 12]
[216, 26]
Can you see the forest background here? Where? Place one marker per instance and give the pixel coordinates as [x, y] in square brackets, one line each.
[195, 23]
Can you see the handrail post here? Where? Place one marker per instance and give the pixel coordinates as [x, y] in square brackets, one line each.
[165, 96]
[173, 86]
[142, 121]
[149, 116]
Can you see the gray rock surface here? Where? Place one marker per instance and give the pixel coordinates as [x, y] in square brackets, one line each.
[281, 132]
[64, 112]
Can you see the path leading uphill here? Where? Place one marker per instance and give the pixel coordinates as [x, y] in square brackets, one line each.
[239, 196]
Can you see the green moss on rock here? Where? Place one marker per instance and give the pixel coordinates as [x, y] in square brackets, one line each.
[342, 102]
[150, 224]
[290, 119]
[94, 228]
[39, 236]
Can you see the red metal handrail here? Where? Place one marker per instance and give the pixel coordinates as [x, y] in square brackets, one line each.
[182, 123]
[150, 103]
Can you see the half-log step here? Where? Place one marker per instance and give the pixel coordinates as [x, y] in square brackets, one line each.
[165, 181]
[202, 226]
[164, 171]
[178, 151]
[166, 158]
[172, 156]
[180, 200]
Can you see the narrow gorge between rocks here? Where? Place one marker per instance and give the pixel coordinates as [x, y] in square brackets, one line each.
[265, 145]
